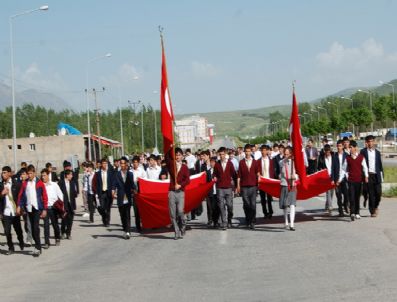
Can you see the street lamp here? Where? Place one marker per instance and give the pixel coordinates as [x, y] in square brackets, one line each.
[394, 104]
[14, 122]
[370, 104]
[318, 114]
[311, 115]
[108, 55]
[351, 100]
[321, 108]
[135, 104]
[337, 111]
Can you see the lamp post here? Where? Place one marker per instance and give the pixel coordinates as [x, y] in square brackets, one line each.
[370, 104]
[14, 122]
[394, 104]
[337, 111]
[351, 100]
[134, 104]
[108, 55]
[318, 114]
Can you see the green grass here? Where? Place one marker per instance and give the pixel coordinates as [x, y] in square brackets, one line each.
[390, 174]
[392, 192]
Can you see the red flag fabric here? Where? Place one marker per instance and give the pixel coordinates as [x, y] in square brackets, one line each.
[167, 115]
[296, 140]
[152, 199]
[316, 184]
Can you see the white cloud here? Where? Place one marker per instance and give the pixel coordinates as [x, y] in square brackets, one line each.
[34, 78]
[339, 55]
[341, 67]
[204, 69]
[126, 74]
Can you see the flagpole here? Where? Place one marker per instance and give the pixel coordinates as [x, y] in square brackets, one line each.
[169, 95]
[292, 157]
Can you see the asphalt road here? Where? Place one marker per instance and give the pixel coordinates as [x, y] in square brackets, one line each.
[325, 259]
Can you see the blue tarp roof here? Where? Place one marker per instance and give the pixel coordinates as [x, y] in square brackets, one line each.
[348, 134]
[69, 129]
[393, 131]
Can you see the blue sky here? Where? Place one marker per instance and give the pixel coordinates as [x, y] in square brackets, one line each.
[221, 55]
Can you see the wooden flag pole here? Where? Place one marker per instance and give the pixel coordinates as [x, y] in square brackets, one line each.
[161, 29]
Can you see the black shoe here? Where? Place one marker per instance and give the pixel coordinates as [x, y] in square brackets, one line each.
[57, 242]
[46, 246]
[229, 225]
[224, 228]
[291, 228]
[63, 236]
[352, 217]
[22, 246]
[252, 226]
[341, 214]
[365, 203]
[69, 237]
[10, 252]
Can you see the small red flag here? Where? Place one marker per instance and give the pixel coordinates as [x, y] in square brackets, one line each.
[296, 140]
[167, 115]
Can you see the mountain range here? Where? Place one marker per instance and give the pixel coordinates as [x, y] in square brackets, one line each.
[36, 97]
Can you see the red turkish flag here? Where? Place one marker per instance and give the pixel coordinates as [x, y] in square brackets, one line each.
[167, 115]
[297, 145]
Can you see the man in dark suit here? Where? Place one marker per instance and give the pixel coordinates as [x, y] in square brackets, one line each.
[311, 155]
[9, 189]
[69, 190]
[375, 169]
[123, 185]
[53, 175]
[277, 159]
[266, 169]
[339, 178]
[102, 184]
[68, 166]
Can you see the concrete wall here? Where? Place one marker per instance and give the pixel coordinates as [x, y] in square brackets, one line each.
[40, 150]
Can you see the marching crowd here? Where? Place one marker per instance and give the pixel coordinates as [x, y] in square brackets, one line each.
[30, 195]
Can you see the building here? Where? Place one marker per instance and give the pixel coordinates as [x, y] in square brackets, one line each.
[55, 149]
[192, 131]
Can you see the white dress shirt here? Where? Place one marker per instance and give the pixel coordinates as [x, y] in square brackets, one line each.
[31, 195]
[328, 164]
[153, 172]
[191, 160]
[10, 204]
[53, 192]
[265, 167]
[138, 173]
[371, 160]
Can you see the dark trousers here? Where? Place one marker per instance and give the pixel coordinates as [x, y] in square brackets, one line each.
[374, 193]
[137, 217]
[14, 221]
[312, 166]
[354, 197]
[216, 212]
[105, 201]
[91, 205]
[125, 217]
[34, 218]
[342, 196]
[266, 201]
[249, 203]
[225, 203]
[67, 221]
[52, 216]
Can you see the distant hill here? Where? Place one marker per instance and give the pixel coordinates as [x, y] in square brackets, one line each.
[249, 122]
[47, 100]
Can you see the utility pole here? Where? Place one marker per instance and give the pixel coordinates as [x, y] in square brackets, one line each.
[98, 126]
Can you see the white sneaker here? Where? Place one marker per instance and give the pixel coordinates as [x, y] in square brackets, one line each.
[85, 215]
[358, 216]
[126, 235]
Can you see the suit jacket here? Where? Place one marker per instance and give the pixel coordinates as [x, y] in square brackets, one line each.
[123, 188]
[276, 165]
[42, 198]
[15, 188]
[321, 161]
[75, 179]
[54, 177]
[378, 163]
[271, 167]
[210, 176]
[97, 182]
[315, 152]
[68, 201]
[182, 177]
[200, 167]
[336, 168]
[224, 178]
